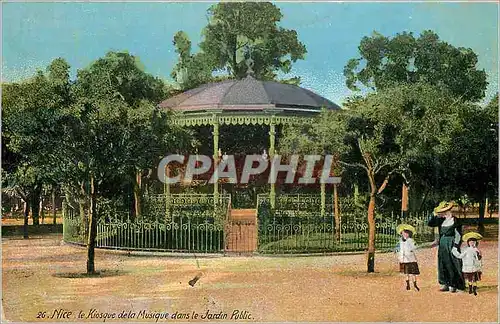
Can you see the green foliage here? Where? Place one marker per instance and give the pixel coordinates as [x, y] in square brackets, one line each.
[191, 70]
[237, 31]
[104, 124]
[471, 164]
[406, 59]
[386, 133]
[234, 26]
[115, 129]
[33, 115]
[119, 75]
[315, 136]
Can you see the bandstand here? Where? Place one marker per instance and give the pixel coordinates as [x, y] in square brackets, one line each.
[209, 222]
[245, 102]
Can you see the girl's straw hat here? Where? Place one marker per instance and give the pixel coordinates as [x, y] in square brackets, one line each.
[444, 206]
[407, 227]
[472, 235]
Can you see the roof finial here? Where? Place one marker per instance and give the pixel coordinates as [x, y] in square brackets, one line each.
[249, 60]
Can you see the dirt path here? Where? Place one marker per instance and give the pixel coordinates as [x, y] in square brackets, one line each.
[318, 288]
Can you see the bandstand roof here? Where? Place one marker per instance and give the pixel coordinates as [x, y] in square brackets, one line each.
[250, 100]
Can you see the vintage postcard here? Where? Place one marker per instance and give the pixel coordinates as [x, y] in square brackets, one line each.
[249, 161]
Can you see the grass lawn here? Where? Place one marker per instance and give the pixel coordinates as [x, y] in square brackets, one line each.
[319, 242]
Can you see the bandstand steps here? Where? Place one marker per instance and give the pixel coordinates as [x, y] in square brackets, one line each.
[242, 235]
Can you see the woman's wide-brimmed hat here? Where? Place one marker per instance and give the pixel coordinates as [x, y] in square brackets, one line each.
[471, 235]
[407, 227]
[444, 206]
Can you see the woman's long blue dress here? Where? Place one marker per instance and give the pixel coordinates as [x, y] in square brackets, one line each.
[449, 267]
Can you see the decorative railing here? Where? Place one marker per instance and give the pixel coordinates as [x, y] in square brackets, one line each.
[191, 223]
[236, 119]
[181, 205]
[182, 234]
[316, 233]
[297, 225]
[199, 223]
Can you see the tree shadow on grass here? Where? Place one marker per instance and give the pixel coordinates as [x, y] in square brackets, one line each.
[487, 288]
[97, 274]
[359, 273]
[172, 255]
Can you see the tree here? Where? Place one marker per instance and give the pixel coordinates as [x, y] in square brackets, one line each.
[406, 59]
[119, 75]
[19, 183]
[236, 31]
[191, 70]
[120, 78]
[381, 134]
[386, 62]
[402, 126]
[116, 133]
[472, 161]
[33, 115]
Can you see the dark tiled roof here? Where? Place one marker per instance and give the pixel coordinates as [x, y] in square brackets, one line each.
[247, 94]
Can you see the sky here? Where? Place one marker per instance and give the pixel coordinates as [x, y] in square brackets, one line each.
[33, 34]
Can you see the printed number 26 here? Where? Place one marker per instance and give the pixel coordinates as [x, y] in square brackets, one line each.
[41, 315]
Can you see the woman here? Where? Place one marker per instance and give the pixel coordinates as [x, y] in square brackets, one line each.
[449, 268]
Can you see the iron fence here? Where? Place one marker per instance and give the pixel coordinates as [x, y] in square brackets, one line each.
[296, 225]
[183, 223]
[199, 223]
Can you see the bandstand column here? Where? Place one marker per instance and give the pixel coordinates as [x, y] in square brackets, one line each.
[272, 140]
[336, 210]
[166, 190]
[323, 198]
[215, 134]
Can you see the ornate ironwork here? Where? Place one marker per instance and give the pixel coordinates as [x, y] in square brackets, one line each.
[198, 223]
[192, 205]
[207, 119]
[297, 225]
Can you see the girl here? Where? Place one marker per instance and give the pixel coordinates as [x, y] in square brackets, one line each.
[471, 260]
[407, 260]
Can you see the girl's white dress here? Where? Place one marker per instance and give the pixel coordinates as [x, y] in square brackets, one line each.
[407, 251]
[407, 258]
[471, 262]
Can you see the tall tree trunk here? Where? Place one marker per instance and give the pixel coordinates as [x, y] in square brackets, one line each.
[42, 213]
[54, 206]
[371, 222]
[35, 208]
[336, 212]
[487, 208]
[421, 206]
[26, 217]
[480, 224]
[371, 234]
[92, 229]
[83, 217]
[404, 200]
[233, 56]
[137, 194]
